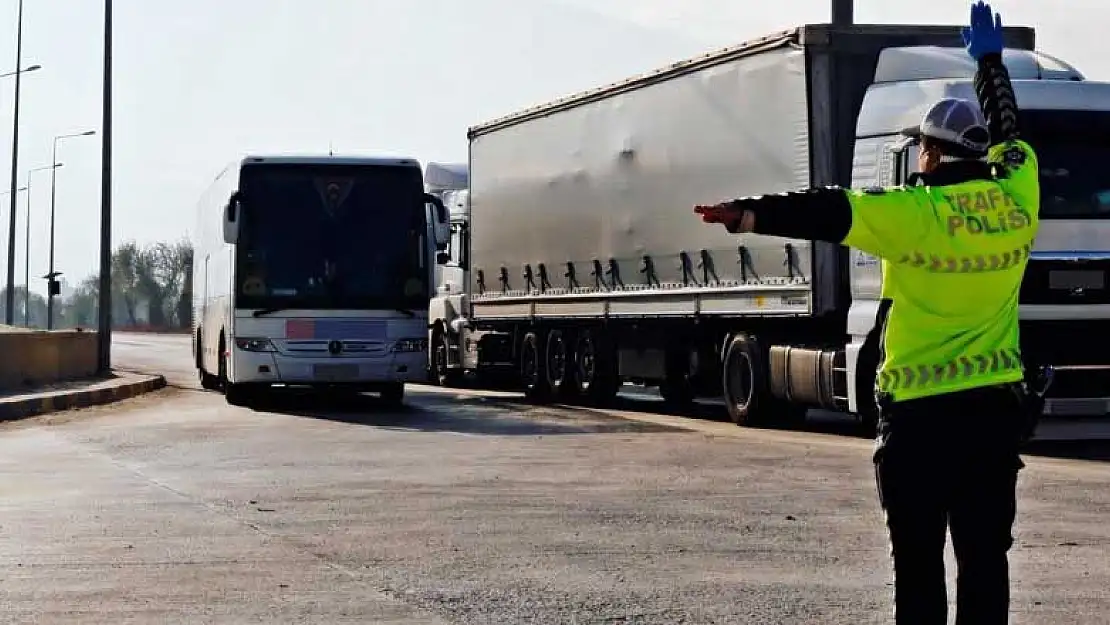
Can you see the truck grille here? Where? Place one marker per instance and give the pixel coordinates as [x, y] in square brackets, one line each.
[1066, 281]
[1066, 342]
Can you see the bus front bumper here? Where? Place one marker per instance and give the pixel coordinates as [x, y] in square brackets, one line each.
[251, 367]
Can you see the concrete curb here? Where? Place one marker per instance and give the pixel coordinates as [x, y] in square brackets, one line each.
[58, 401]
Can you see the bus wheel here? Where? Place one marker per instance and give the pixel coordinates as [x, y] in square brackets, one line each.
[207, 381]
[394, 394]
[243, 395]
[221, 364]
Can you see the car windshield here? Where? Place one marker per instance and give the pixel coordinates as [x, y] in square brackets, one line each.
[332, 236]
[1073, 149]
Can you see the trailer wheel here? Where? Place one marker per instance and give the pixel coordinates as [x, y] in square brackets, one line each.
[560, 364]
[596, 377]
[744, 382]
[533, 369]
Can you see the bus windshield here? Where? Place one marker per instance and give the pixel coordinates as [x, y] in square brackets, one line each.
[332, 237]
[1072, 152]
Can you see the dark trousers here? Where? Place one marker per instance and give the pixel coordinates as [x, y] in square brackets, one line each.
[951, 462]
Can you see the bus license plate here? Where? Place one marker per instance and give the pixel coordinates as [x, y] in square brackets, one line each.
[335, 372]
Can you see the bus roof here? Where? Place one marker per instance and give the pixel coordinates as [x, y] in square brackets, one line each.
[305, 159]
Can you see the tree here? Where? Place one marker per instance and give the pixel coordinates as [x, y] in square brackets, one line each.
[126, 286]
[36, 304]
[80, 309]
[185, 299]
[153, 284]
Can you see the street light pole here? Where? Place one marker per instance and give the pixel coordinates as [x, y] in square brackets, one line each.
[3, 193]
[9, 313]
[10, 299]
[104, 299]
[27, 248]
[53, 202]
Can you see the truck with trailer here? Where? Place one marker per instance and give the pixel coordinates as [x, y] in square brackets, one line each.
[586, 268]
[314, 272]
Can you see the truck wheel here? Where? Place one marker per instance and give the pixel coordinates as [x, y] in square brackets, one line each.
[868, 410]
[560, 364]
[441, 374]
[745, 381]
[596, 377]
[533, 369]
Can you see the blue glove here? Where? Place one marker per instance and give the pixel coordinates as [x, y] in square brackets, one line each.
[985, 33]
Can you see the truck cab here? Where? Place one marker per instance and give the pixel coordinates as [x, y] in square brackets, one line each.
[453, 346]
[1065, 305]
[449, 182]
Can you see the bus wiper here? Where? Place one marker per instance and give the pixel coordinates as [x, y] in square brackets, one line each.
[266, 311]
[406, 312]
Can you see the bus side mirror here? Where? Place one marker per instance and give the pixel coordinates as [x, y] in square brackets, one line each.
[232, 218]
[441, 221]
[442, 258]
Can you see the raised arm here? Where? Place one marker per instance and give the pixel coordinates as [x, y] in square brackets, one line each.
[993, 88]
[1016, 159]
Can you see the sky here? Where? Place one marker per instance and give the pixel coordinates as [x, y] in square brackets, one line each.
[198, 84]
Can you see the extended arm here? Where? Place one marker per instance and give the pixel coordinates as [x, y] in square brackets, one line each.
[888, 223]
[822, 214]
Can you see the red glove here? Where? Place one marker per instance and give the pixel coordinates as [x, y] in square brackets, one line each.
[724, 213]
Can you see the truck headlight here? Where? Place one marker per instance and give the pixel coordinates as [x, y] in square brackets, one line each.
[410, 345]
[254, 344]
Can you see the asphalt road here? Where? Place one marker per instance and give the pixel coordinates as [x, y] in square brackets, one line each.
[471, 508]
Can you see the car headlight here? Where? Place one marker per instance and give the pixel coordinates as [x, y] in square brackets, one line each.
[254, 344]
[410, 345]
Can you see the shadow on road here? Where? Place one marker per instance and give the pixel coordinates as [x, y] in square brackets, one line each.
[1094, 450]
[818, 422]
[478, 416]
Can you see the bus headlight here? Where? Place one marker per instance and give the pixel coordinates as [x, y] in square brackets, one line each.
[410, 345]
[254, 344]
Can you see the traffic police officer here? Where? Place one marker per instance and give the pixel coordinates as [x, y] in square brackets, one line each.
[953, 404]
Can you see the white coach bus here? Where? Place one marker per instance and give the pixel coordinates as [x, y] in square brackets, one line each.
[315, 272]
